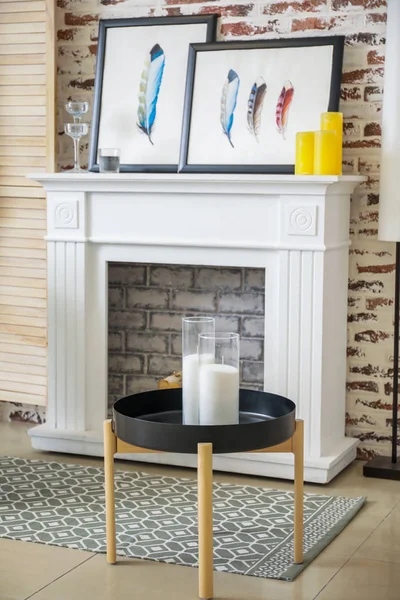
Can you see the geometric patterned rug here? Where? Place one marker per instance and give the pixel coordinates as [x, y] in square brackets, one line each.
[63, 505]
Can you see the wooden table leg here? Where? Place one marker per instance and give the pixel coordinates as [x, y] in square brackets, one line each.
[205, 520]
[110, 448]
[298, 451]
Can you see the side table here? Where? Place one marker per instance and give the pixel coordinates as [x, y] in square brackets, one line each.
[134, 424]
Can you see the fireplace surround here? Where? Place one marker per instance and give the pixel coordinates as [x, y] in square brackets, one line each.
[294, 228]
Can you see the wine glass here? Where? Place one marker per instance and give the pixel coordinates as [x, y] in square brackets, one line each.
[77, 109]
[76, 131]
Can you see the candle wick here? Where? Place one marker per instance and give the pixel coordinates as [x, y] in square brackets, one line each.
[222, 359]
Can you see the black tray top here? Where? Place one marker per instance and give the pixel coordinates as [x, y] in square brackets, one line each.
[153, 420]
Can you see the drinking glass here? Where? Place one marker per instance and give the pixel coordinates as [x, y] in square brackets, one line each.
[219, 378]
[76, 109]
[109, 160]
[191, 327]
[76, 131]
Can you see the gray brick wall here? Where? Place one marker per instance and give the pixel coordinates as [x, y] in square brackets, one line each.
[146, 304]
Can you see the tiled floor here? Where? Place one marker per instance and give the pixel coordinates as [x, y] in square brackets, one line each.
[363, 563]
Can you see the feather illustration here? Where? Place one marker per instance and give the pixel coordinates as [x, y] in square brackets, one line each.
[255, 105]
[228, 103]
[149, 89]
[282, 107]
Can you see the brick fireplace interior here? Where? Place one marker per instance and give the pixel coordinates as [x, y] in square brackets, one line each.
[146, 303]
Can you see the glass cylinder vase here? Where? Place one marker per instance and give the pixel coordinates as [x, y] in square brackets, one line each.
[219, 379]
[191, 328]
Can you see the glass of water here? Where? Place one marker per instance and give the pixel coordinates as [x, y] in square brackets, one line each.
[109, 160]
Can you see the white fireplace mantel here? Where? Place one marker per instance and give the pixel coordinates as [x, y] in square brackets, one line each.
[297, 228]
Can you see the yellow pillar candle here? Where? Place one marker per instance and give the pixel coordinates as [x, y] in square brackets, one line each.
[325, 153]
[334, 121]
[304, 153]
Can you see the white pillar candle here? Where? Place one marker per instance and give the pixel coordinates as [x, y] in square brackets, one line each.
[190, 387]
[218, 394]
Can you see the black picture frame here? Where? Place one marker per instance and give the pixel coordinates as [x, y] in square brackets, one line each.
[337, 42]
[104, 26]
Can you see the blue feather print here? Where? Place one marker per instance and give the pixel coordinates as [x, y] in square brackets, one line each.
[228, 103]
[149, 89]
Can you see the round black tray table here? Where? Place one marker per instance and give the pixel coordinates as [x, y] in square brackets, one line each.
[152, 422]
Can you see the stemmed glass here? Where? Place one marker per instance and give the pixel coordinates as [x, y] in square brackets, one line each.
[76, 131]
[77, 109]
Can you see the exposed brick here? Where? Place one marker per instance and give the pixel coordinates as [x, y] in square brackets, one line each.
[361, 317]
[147, 342]
[353, 302]
[351, 128]
[242, 303]
[364, 454]
[176, 345]
[116, 384]
[146, 298]
[355, 351]
[360, 144]
[372, 336]
[251, 349]
[139, 383]
[374, 404]
[171, 276]
[247, 29]
[375, 57]
[368, 217]
[126, 274]
[254, 279]
[163, 366]
[388, 387]
[376, 268]
[290, 8]
[350, 93]
[314, 23]
[360, 285]
[125, 363]
[227, 323]
[368, 75]
[364, 4]
[373, 93]
[364, 386]
[253, 326]
[66, 34]
[82, 84]
[115, 340]
[116, 297]
[127, 319]
[253, 372]
[372, 129]
[374, 303]
[229, 10]
[356, 420]
[80, 20]
[378, 18]
[193, 300]
[368, 232]
[371, 371]
[211, 279]
[365, 39]
[369, 165]
[166, 321]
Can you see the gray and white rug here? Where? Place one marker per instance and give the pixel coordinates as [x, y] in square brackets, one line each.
[63, 505]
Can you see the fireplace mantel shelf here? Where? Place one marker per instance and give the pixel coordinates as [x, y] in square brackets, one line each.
[294, 227]
[253, 184]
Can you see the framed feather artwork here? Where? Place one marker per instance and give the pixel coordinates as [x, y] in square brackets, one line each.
[140, 88]
[245, 102]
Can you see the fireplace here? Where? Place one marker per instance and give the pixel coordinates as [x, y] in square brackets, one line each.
[293, 229]
[146, 303]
